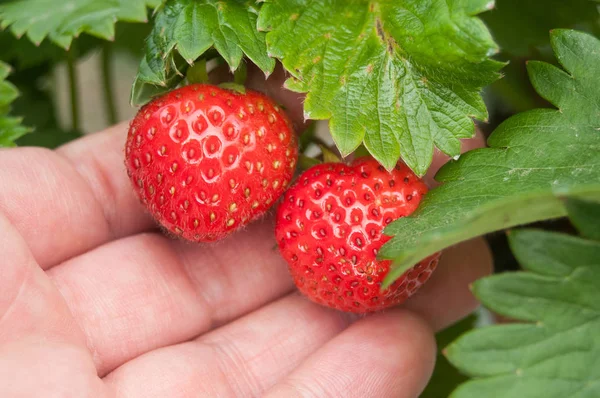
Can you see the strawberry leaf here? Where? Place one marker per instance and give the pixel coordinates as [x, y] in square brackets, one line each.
[21, 53]
[185, 29]
[554, 352]
[10, 127]
[61, 21]
[534, 158]
[399, 76]
[585, 215]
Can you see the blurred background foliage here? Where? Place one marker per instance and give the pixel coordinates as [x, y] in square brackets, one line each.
[99, 72]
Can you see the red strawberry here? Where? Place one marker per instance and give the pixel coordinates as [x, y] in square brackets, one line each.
[329, 229]
[206, 161]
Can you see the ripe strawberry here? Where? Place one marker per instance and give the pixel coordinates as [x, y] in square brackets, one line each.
[206, 161]
[329, 229]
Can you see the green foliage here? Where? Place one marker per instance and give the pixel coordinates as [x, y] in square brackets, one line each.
[585, 215]
[445, 377]
[48, 138]
[33, 65]
[398, 76]
[531, 20]
[22, 53]
[554, 353]
[526, 36]
[36, 107]
[185, 29]
[130, 38]
[10, 127]
[533, 158]
[61, 21]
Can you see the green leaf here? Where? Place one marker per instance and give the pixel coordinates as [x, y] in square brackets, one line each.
[519, 26]
[129, 38]
[585, 215]
[8, 92]
[306, 162]
[37, 109]
[328, 155]
[10, 127]
[526, 36]
[555, 352]
[61, 21]
[533, 158]
[445, 377]
[51, 138]
[21, 53]
[399, 76]
[185, 29]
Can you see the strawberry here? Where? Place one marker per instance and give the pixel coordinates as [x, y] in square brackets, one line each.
[330, 227]
[206, 161]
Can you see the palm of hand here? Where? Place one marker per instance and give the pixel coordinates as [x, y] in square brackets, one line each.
[93, 303]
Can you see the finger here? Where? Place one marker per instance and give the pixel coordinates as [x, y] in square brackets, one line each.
[36, 366]
[143, 292]
[439, 158]
[390, 354]
[29, 303]
[446, 297]
[67, 202]
[202, 371]
[35, 324]
[242, 359]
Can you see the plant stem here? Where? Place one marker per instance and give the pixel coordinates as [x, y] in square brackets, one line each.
[107, 83]
[72, 70]
[197, 73]
[239, 76]
[305, 162]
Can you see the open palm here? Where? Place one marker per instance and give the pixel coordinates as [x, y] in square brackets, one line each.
[94, 302]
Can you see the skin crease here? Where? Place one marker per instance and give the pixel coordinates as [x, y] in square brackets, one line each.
[95, 303]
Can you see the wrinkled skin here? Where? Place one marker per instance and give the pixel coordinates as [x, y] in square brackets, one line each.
[94, 302]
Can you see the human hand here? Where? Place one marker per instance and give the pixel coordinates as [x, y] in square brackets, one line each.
[96, 303]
